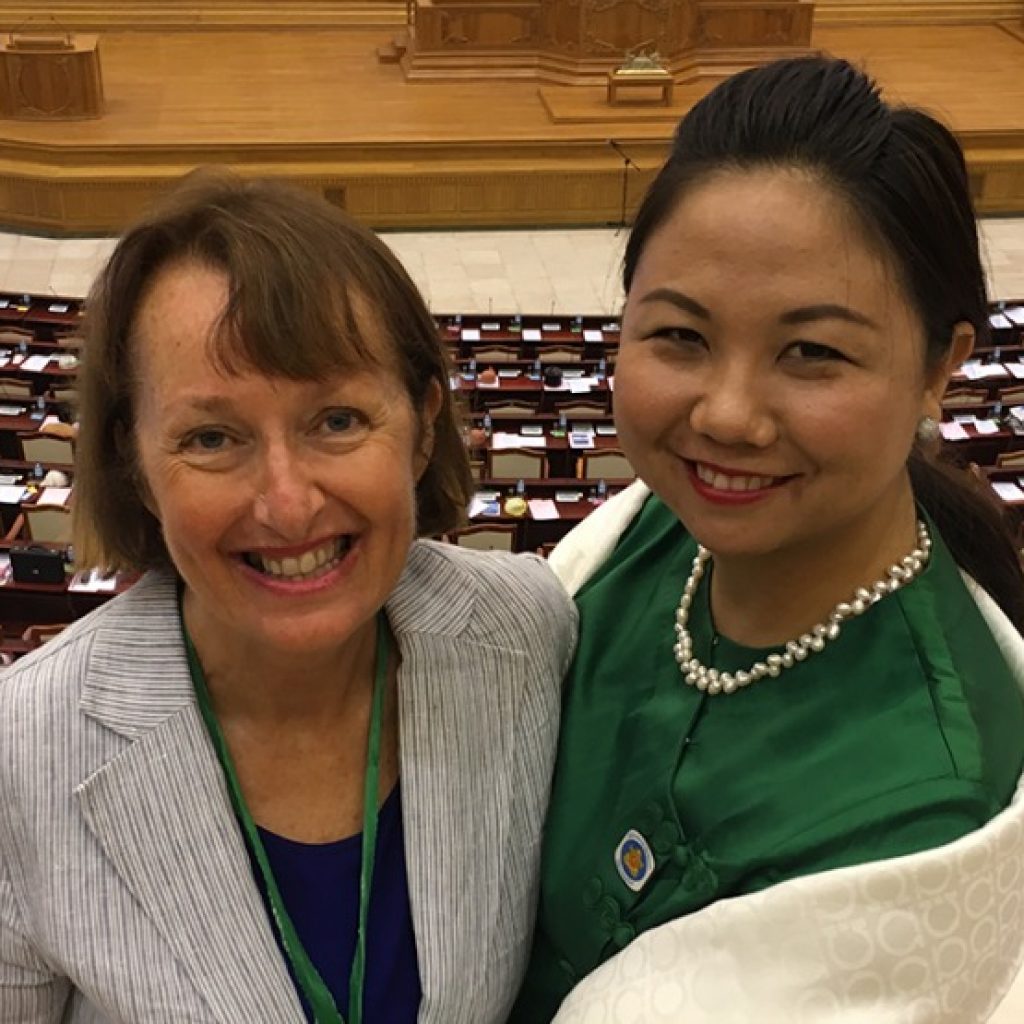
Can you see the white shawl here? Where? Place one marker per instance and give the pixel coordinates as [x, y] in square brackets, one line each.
[931, 938]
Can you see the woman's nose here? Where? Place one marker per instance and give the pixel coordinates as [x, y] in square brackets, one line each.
[290, 497]
[732, 411]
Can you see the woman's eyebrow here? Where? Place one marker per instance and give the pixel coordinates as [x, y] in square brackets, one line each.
[826, 311]
[678, 299]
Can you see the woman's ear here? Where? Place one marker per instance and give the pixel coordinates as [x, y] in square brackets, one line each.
[432, 401]
[960, 349]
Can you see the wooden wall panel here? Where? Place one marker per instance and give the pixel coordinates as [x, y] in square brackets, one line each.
[931, 12]
[163, 14]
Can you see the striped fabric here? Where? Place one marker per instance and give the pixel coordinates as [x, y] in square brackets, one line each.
[126, 895]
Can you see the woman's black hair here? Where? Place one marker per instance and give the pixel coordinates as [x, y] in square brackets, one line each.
[903, 174]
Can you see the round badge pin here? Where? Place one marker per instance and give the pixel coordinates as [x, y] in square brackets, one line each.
[634, 860]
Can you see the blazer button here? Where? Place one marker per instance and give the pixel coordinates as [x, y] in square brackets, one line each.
[623, 935]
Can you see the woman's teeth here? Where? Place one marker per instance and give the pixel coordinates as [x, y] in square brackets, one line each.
[721, 482]
[308, 565]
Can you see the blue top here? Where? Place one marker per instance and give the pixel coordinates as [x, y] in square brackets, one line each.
[319, 884]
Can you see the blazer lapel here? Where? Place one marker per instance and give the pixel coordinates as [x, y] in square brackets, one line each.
[456, 719]
[161, 812]
[457, 700]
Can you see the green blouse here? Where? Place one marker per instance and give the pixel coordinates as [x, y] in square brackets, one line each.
[903, 734]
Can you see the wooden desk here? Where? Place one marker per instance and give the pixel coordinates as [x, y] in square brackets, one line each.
[53, 82]
[661, 80]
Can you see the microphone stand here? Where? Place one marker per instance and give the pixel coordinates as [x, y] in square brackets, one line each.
[627, 163]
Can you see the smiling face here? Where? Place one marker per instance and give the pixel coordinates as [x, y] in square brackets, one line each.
[288, 507]
[771, 373]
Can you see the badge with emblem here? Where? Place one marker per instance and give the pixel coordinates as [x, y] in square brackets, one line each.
[634, 860]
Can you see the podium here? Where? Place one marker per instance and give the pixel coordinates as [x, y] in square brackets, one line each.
[53, 77]
[578, 42]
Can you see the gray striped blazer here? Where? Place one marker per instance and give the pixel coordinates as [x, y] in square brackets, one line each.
[126, 894]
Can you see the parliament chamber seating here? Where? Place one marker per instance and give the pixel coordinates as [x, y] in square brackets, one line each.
[547, 438]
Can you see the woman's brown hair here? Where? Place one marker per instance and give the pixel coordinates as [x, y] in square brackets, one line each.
[310, 293]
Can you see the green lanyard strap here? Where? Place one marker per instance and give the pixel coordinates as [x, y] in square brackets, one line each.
[319, 997]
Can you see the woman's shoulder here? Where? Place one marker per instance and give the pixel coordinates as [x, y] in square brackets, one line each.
[482, 593]
[511, 579]
[48, 683]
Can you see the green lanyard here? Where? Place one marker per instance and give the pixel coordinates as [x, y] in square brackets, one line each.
[313, 988]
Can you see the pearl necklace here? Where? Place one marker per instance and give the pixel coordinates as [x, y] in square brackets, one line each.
[714, 682]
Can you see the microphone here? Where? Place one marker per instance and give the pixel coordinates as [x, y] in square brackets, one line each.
[625, 156]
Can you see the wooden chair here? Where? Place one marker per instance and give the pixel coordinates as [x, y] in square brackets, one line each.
[67, 396]
[581, 408]
[610, 464]
[494, 354]
[49, 523]
[516, 464]
[50, 451]
[36, 636]
[12, 387]
[560, 353]
[1010, 459]
[485, 537]
[15, 335]
[512, 409]
[957, 398]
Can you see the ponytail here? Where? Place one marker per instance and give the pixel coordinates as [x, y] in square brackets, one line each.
[975, 526]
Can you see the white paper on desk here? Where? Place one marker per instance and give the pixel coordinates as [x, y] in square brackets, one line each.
[531, 334]
[481, 506]
[1016, 315]
[953, 431]
[503, 440]
[4, 360]
[992, 370]
[1016, 369]
[580, 439]
[92, 581]
[543, 508]
[483, 384]
[986, 426]
[54, 496]
[997, 320]
[11, 410]
[6, 479]
[593, 335]
[579, 387]
[470, 334]
[34, 364]
[11, 494]
[971, 369]
[1008, 490]
[49, 421]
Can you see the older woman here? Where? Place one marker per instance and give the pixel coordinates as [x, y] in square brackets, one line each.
[298, 771]
[794, 725]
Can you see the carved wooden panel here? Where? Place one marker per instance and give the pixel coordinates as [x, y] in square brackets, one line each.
[612, 26]
[929, 12]
[51, 84]
[454, 26]
[732, 23]
[161, 14]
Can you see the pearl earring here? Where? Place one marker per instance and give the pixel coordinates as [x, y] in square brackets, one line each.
[927, 429]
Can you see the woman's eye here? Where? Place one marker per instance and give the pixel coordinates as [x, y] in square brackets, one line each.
[812, 351]
[684, 336]
[340, 421]
[208, 441]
